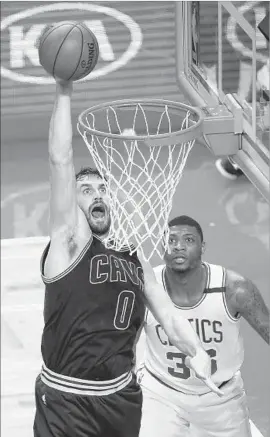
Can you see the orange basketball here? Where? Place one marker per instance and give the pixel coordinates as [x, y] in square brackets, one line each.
[68, 50]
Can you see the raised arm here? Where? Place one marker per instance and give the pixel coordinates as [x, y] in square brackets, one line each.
[243, 297]
[63, 204]
[178, 329]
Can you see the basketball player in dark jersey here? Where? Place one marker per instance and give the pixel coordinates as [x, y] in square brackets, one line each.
[94, 307]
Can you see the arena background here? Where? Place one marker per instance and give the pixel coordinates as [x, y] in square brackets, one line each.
[232, 214]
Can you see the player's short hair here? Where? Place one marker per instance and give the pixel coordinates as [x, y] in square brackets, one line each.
[188, 221]
[88, 171]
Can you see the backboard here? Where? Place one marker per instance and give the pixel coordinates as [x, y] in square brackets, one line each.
[223, 67]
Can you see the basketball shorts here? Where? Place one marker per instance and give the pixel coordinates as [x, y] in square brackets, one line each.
[167, 412]
[72, 413]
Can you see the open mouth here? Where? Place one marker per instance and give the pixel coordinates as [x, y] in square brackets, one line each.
[98, 211]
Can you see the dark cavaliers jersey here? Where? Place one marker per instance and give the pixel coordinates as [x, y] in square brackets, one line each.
[92, 313]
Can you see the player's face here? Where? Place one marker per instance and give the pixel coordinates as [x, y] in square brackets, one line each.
[94, 202]
[185, 248]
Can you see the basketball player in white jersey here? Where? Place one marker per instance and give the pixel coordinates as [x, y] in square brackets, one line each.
[175, 402]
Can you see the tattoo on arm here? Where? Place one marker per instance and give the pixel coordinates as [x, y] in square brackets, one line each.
[251, 306]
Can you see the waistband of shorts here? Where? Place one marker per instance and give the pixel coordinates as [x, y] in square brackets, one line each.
[180, 391]
[85, 387]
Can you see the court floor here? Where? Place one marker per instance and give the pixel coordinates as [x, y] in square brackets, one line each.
[235, 222]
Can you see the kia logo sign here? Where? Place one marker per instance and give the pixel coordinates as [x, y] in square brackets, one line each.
[25, 211]
[23, 53]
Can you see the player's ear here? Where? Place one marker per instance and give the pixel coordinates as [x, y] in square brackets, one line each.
[203, 247]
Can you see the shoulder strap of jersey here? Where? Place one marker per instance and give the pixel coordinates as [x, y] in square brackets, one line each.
[216, 280]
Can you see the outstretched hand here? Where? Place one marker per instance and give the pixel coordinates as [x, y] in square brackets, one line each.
[64, 87]
[201, 364]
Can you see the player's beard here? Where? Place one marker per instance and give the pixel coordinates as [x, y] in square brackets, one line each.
[99, 225]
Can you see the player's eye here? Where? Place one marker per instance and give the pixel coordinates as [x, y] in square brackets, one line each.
[190, 240]
[87, 191]
[102, 190]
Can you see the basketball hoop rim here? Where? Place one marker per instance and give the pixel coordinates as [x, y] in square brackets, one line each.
[179, 136]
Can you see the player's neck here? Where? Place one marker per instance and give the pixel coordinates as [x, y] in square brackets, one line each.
[186, 285]
[101, 236]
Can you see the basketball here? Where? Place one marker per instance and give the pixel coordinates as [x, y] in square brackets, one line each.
[68, 50]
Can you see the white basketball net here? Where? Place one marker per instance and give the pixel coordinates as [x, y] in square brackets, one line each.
[140, 179]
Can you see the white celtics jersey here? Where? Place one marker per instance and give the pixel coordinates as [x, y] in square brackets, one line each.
[218, 332]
